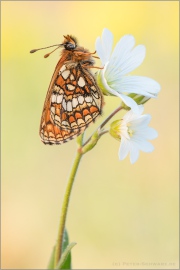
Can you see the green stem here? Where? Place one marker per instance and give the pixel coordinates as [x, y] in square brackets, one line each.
[58, 249]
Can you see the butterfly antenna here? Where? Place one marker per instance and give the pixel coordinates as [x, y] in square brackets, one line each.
[46, 55]
[35, 50]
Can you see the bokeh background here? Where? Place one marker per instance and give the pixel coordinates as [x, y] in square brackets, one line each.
[122, 216]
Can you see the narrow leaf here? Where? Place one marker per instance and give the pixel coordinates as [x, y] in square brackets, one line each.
[64, 258]
[67, 263]
[51, 261]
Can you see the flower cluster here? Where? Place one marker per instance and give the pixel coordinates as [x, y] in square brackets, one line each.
[114, 79]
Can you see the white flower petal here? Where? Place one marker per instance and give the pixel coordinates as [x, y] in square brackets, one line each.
[104, 46]
[107, 39]
[143, 145]
[129, 102]
[137, 84]
[124, 148]
[147, 147]
[98, 46]
[100, 51]
[134, 153]
[141, 121]
[105, 83]
[130, 115]
[124, 46]
[123, 59]
[147, 133]
[141, 109]
[124, 130]
[121, 52]
[122, 49]
[151, 133]
[134, 60]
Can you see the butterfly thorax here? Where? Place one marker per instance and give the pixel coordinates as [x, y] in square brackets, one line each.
[77, 56]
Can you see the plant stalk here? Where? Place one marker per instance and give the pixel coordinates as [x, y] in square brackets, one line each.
[58, 249]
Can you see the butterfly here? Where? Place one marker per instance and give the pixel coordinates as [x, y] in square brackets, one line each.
[73, 100]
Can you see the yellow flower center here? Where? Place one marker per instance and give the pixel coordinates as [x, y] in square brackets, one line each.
[130, 131]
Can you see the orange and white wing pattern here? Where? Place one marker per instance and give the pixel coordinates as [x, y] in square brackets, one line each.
[73, 102]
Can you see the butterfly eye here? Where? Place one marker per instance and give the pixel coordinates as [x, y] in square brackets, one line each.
[69, 46]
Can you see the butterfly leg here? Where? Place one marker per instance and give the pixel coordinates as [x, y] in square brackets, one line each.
[86, 66]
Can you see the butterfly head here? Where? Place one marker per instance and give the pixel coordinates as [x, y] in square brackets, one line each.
[69, 43]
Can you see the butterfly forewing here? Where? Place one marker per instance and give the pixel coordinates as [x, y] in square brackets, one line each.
[72, 103]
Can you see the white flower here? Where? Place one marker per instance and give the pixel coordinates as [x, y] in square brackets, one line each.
[113, 77]
[133, 132]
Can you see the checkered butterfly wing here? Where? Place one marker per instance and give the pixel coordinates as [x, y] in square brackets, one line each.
[72, 103]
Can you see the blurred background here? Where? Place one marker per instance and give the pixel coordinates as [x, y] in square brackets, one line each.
[122, 216]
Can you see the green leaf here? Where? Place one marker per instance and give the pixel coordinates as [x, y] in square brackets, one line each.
[51, 261]
[65, 261]
[65, 240]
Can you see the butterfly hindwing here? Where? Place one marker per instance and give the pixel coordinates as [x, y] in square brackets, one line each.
[73, 102]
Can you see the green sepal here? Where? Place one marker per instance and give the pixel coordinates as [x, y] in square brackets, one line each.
[114, 130]
[79, 139]
[139, 99]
